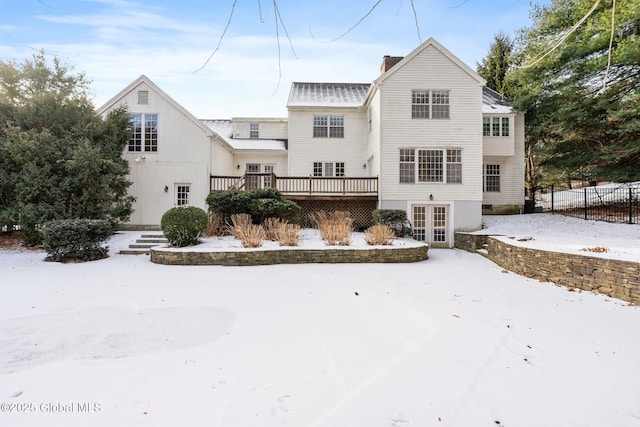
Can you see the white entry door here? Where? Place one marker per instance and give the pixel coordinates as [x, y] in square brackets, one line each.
[430, 224]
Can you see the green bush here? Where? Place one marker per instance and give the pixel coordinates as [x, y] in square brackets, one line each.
[76, 239]
[260, 204]
[183, 226]
[285, 210]
[395, 219]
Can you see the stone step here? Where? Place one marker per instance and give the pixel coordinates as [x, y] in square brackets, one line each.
[152, 241]
[142, 245]
[152, 236]
[134, 252]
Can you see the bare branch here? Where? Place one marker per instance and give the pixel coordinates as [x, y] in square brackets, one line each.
[284, 27]
[352, 27]
[275, 13]
[221, 37]
[613, 23]
[458, 5]
[415, 16]
[262, 18]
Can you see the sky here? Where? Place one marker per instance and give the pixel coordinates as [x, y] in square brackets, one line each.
[253, 65]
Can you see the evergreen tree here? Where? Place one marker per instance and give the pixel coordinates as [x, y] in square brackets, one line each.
[494, 67]
[58, 158]
[578, 78]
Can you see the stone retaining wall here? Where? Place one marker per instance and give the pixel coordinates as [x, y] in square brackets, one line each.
[615, 278]
[289, 256]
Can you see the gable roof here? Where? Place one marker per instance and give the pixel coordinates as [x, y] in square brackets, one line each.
[117, 100]
[431, 42]
[345, 95]
[224, 128]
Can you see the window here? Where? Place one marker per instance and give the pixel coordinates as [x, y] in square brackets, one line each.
[491, 178]
[434, 165]
[495, 126]
[145, 132]
[407, 167]
[430, 104]
[328, 126]
[143, 97]
[328, 169]
[254, 130]
[182, 194]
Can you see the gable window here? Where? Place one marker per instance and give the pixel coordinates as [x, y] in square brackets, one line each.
[495, 126]
[145, 133]
[254, 130]
[432, 165]
[328, 168]
[143, 97]
[430, 104]
[328, 126]
[182, 194]
[491, 181]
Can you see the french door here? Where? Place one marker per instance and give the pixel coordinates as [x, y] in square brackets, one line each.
[430, 224]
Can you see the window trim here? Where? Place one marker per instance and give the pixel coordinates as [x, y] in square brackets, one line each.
[142, 140]
[186, 199]
[328, 126]
[320, 169]
[424, 104]
[495, 126]
[496, 180]
[427, 167]
[254, 130]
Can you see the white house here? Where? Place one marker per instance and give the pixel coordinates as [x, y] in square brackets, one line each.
[426, 137]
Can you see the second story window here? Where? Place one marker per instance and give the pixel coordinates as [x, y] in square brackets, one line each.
[430, 104]
[254, 130]
[431, 165]
[495, 126]
[145, 133]
[326, 126]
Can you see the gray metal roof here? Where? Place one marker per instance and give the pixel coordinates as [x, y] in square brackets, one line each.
[327, 94]
[494, 102]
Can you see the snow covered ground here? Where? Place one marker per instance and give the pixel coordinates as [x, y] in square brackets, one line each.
[451, 341]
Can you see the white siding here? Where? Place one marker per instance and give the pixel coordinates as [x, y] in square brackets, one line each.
[267, 128]
[184, 150]
[304, 149]
[511, 173]
[373, 136]
[431, 69]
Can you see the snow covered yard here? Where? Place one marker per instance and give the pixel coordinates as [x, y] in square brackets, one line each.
[451, 341]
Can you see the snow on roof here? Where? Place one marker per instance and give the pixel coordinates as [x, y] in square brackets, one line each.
[327, 94]
[495, 103]
[224, 129]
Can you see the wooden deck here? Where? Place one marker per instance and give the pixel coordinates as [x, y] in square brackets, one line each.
[302, 187]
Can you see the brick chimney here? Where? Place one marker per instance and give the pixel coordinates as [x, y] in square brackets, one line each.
[388, 62]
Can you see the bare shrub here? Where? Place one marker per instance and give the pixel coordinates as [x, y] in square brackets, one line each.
[379, 234]
[335, 228]
[288, 234]
[271, 227]
[215, 226]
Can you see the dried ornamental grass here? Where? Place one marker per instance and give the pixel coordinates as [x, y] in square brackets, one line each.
[215, 227]
[335, 228]
[251, 235]
[271, 227]
[288, 234]
[597, 249]
[238, 223]
[379, 234]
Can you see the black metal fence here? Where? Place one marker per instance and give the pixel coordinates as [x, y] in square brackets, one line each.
[612, 202]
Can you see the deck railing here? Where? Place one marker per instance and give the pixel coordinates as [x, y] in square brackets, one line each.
[299, 185]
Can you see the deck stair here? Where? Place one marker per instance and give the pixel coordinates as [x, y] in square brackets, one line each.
[143, 245]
